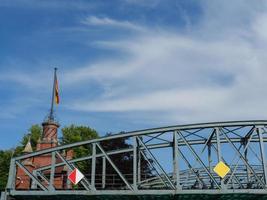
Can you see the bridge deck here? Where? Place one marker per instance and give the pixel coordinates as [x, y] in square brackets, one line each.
[148, 197]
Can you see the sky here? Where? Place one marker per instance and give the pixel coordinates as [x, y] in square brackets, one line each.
[131, 64]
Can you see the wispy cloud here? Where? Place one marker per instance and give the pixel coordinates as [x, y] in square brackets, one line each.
[214, 70]
[105, 21]
[200, 75]
[26, 79]
[145, 3]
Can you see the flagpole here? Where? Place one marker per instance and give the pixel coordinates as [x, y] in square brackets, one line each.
[51, 115]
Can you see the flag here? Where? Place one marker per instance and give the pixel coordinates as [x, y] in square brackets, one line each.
[56, 91]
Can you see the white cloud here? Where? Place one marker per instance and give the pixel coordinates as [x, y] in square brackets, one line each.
[105, 21]
[158, 101]
[216, 70]
[145, 3]
[39, 81]
[206, 74]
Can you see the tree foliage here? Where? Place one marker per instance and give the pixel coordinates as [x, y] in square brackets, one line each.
[123, 161]
[72, 134]
[5, 157]
[34, 134]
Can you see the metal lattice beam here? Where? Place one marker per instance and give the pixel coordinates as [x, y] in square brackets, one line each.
[195, 150]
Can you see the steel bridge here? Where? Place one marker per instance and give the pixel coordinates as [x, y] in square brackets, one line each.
[181, 159]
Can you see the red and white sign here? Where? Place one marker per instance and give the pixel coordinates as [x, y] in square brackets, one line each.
[75, 176]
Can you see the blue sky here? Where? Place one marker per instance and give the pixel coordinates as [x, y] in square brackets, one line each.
[131, 64]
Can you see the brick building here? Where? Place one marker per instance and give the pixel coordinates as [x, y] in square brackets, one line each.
[49, 139]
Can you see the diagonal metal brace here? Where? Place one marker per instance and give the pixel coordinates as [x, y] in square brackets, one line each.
[198, 159]
[190, 167]
[242, 158]
[84, 182]
[157, 163]
[151, 165]
[114, 166]
[31, 175]
[42, 176]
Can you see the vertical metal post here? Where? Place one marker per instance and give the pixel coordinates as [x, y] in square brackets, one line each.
[246, 158]
[33, 184]
[4, 196]
[219, 155]
[103, 172]
[218, 142]
[52, 171]
[114, 166]
[93, 165]
[263, 158]
[139, 172]
[135, 171]
[176, 171]
[210, 161]
[68, 180]
[12, 175]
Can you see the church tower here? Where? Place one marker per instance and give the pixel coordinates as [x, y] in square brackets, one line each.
[49, 139]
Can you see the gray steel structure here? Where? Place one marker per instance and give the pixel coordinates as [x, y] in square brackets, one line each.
[192, 150]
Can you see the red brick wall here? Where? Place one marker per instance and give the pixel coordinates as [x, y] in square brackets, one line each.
[48, 140]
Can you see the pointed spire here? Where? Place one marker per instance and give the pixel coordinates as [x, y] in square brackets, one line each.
[28, 147]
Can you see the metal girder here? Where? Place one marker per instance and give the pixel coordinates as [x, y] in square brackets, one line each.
[103, 172]
[232, 175]
[152, 166]
[52, 171]
[135, 159]
[248, 138]
[31, 175]
[190, 167]
[84, 181]
[140, 192]
[114, 166]
[157, 163]
[199, 159]
[219, 154]
[148, 131]
[12, 175]
[152, 146]
[262, 150]
[243, 159]
[93, 165]
[176, 169]
[238, 136]
[43, 177]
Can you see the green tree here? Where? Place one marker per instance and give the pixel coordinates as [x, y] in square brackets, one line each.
[72, 134]
[124, 161]
[34, 134]
[5, 157]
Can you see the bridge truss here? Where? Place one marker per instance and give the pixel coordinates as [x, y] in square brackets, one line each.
[181, 159]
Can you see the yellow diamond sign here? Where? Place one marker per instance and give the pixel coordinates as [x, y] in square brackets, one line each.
[221, 169]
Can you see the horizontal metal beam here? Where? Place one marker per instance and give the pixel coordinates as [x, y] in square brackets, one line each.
[151, 146]
[139, 192]
[149, 131]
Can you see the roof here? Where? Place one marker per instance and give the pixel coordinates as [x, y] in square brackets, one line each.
[28, 147]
